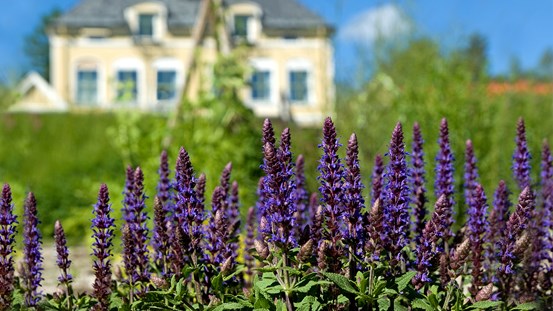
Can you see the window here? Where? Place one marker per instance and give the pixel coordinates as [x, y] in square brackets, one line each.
[127, 86]
[166, 84]
[298, 85]
[87, 87]
[146, 25]
[260, 83]
[241, 26]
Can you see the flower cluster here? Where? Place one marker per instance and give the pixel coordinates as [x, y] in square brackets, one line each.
[318, 251]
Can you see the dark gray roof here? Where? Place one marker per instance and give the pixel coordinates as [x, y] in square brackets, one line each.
[277, 14]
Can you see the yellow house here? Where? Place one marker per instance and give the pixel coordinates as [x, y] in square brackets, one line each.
[107, 54]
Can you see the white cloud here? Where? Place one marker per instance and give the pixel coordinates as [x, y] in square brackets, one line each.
[385, 21]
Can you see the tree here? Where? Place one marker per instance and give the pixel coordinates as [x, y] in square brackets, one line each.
[36, 46]
[544, 70]
[475, 55]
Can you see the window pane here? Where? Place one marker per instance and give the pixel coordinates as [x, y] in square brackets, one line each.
[126, 86]
[298, 86]
[241, 25]
[146, 24]
[87, 87]
[166, 84]
[261, 85]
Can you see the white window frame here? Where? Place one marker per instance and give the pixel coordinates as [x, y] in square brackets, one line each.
[301, 65]
[130, 64]
[169, 64]
[100, 80]
[265, 64]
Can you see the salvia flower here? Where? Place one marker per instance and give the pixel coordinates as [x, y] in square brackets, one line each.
[354, 201]
[396, 200]
[427, 244]
[136, 221]
[418, 180]
[249, 244]
[278, 188]
[8, 222]
[224, 181]
[127, 194]
[189, 216]
[102, 226]
[62, 251]
[521, 157]
[233, 215]
[497, 222]
[218, 230]
[444, 183]
[301, 196]
[331, 178]
[546, 223]
[375, 232]
[164, 186]
[377, 179]
[517, 223]
[161, 238]
[471, 172]
[32, 253]
[477, 226]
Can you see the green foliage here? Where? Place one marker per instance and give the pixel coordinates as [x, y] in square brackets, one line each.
[418, 81]
[36, 45]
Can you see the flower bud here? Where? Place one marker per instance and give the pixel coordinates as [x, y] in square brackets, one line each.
[485, 293]
[305, 251]
[261, 248]
[158, 282]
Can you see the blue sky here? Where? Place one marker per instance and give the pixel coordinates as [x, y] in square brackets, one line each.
[513, 28]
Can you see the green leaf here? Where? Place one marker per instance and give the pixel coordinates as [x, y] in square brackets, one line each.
[229, 306]
[422, 304]
[527, 306]
[482, 305]
[217, 283]
[305, 304]
[405, 280]
[342, 282]
[280, 306]
[304, 288]
[433, 300]
[383, 303]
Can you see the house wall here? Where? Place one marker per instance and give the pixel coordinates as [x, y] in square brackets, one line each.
[110, 53]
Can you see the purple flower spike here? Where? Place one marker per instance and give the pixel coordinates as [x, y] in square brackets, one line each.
[517, 223]
[354, 201]
[63, 261]
[418, 181]
[234, 218]
[137, 263]
[471, 172]
[546, 226]
[278, 189]
[396, 200]
[225, 178]
[268, 133]
[521, 157]
[427, 248]
[188, 209]
[444, 184]
[102, 228]
[498, 221]
[218, 230]
[249, 244]
[377, 179]
[127, 194]
[164, 186]
[8, 222]
[200, 192]
[301, 197]
[161, 238]
[331, 178]
[477, 226]
[32, 253]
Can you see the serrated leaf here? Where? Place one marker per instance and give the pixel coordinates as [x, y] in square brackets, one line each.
[398, 306]
[422, 304]
[217, 283]
[405, 280]
[527, 306]
[480, 305]
[433, 300]
[305, 304]
[342, 282]
[280, 306]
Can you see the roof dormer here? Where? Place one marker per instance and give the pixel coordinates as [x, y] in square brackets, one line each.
[244, 19]
[147, 21]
